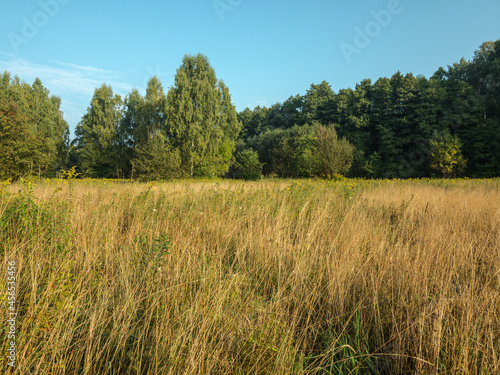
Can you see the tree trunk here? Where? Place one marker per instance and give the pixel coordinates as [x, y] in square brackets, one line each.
[192, 159]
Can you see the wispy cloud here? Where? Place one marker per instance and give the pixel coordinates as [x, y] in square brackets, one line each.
[262, 102]
[75, 84]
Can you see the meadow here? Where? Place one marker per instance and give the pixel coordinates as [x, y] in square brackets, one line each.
[265, 277]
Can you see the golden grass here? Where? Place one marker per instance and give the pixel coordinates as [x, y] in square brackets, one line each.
[268, 277]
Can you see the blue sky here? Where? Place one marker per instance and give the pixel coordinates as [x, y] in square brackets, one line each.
[265, 51]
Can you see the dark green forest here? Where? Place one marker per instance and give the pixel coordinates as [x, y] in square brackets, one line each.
[404, 126]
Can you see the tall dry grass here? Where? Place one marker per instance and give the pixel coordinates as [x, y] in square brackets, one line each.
[272, 277]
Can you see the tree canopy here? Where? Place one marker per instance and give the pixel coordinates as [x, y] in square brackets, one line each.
[400, 126]
[201, 121]
[33, 133]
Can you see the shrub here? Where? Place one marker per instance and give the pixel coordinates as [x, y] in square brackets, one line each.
[336, 155]
[249, 165]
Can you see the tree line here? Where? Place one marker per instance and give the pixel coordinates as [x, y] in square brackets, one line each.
[400, 127]
[188, 132]
[34, 137]
[403, 126]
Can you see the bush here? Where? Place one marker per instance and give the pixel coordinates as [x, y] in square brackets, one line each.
[336, 155]
[156, 160]
[249, 165]
[446, 158]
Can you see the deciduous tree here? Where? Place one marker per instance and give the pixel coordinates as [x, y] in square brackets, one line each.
[201, 121]
[96, 133]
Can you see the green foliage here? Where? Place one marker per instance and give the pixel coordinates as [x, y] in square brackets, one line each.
[126, 134]
[318, 104]
[15, 154]
[154, 256]
[288, 153]
[33, 133]
[389, 123]
[446, 156]
[248, 164]
[254, 121]
[149, 113]
[61, 135]
[373, 165]
[23, 216]
[70, 174]
[336, 155]
[201, 121]
[96, 133]
[156, 160]
[353, 113]
[481, 148]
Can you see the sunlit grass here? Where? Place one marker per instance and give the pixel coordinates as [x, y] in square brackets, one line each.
[276, 276]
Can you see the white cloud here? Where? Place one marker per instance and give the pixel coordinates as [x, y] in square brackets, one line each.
[75, 84]
[258, 102]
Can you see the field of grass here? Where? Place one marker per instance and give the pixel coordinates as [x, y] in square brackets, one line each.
[267, 277]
